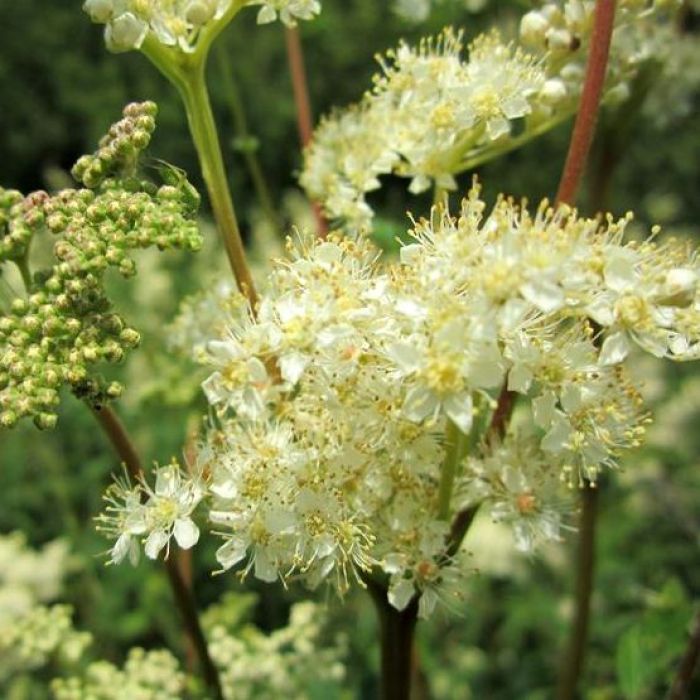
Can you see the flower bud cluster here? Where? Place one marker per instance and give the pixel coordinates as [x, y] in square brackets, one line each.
[560, 32]
[32, 633]
[333, 400]
[281, 664]
[41, 635]
[152, 675]
[18, 221]
[120, 148]
[179, 23]
[66, 324]
[434, 114]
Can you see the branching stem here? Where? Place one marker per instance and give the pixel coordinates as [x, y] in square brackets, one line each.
[584, 126]
[125, 449]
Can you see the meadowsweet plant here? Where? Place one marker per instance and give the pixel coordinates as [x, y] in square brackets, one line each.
[359, 407]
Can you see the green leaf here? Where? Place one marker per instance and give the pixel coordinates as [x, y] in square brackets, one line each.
[632, 671]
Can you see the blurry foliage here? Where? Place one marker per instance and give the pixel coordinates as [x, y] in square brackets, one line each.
[60, 89]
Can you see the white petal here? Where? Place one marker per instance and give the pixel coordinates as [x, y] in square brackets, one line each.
[265, 570]
[230, 553]
[292, 366]
[460, 411]
[400, 593]
[419, 404]
[155, 542]
[406, 356]
[519, 378]
[615, 349]
[266, 15]
[186, 533]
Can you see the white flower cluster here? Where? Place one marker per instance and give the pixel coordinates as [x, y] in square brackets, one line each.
[31, 633]
[140, 513]
[429, 110]
[29, 577]
[328, 452]
[434, 114]
[178, 23]
[146, 675]
[256, 666]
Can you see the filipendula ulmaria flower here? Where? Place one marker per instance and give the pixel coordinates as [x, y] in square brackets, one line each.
[326, 447]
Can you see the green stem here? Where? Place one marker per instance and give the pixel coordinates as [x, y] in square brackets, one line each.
[512, 143]
[194, 93]
[233, 97]
[187, 72]
[456, 444]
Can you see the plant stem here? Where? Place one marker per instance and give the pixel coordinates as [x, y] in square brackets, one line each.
[300, 88]
[257, 176]
[573, 663]
[584, 127]
[125, 449]
[194, 93]
[680, 689]
[397, 629]
[456, 444]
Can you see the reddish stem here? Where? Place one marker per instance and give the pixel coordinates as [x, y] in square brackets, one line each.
[300, 87]
[584, 128]
[124, 447]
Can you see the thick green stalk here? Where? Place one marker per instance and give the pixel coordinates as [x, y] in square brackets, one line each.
[456, 445]
[194, 93]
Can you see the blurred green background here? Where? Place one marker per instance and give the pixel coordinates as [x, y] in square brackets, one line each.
[59, 90]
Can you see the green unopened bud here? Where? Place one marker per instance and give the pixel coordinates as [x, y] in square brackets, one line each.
[45, 421]
[130, 337]
[8, 419]
[114, 390]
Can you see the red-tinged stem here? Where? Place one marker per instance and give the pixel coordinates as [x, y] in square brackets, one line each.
[124, 447]
[680, 689]
[579, 149]
[584, 127]
[300, 87]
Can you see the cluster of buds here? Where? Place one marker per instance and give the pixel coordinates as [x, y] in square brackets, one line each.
[66, 322]
[120, 148]
[18, 221]
[179, 23]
